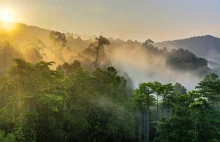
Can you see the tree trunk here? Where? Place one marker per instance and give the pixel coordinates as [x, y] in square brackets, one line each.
[97, 56]
[144, 125]
[147, 120]
[196, 134]
[140, 127]
[163, 109]
[168, 109]
[157, 115]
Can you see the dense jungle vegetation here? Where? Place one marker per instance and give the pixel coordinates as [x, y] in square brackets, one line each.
[88, 100]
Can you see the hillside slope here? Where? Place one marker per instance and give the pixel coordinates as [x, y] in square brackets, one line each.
[203, 46]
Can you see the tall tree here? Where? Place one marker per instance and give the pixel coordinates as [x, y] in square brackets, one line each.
[143, 98]
[210, 87]
[167, 95]
[59, 41]
[100, 42]
[158, 90]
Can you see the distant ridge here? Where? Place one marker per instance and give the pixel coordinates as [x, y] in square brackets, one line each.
[206, 46]
[201, 36]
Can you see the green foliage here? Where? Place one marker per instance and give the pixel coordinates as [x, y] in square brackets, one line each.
[73, 104]
[58, 38]
[68, 69]
[69, 104]
[7, 138]
[186, 60]
[26, 126]
[178, 88]
[100, 42]
[141, 100]
[179, 59]
[209, 87]
[193, 119]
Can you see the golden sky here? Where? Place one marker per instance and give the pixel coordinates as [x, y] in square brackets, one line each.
[127, 19]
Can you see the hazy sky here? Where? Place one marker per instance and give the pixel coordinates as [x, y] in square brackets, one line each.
[126, 19]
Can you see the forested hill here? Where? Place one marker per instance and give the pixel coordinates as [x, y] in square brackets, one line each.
[88, 95]
[203, 46]
[139, 61]
[206, 46]
[19, 33]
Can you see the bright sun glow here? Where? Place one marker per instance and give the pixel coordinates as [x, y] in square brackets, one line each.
[7, 15]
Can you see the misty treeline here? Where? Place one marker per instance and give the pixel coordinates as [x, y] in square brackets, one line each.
[83, 98]
[35, 44]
